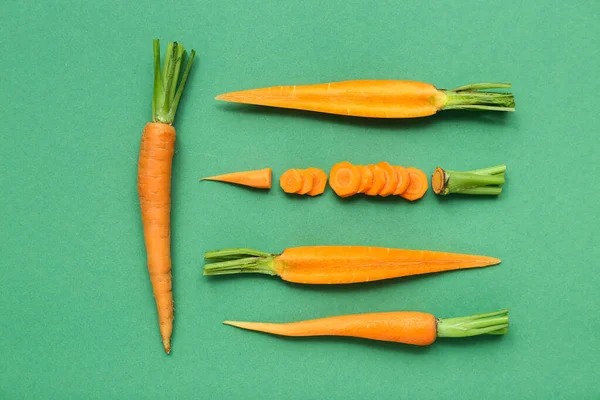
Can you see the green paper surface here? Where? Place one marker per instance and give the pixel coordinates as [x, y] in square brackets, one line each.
[77, 314]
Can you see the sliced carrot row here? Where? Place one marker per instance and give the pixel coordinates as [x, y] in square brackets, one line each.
[310, 181]
[381, 179]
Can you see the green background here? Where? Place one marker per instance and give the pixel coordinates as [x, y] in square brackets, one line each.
[77, 314]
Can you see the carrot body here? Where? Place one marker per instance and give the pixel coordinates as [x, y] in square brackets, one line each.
[260, 178]
[418, 185]
[319, 181]
[291, 181]
[154, 189]
[408, 327]
[361, 98]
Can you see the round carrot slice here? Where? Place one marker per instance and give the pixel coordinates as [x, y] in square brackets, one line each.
[379, 180]
[418, 185]
[307, 182]
[319, 181]
[366, 178]
[403, 180]
[344, 179]
[291, 181]
[392, 179]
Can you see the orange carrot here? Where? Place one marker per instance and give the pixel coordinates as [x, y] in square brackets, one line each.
[377, 98]
[403, 180]
[367, 178]
[259, 179]
[154, 179]
[379, 180]
[408, 327]
[418, 185]
[391, 179]
[291, 181]
[344, 179]
[319, 181]
[307, 181]
[339, 264]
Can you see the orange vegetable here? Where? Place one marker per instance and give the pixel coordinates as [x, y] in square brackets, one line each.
[409, 327]
[403, 180]
[340, 264]
[367, 178]
[307, 181]
[319, 181]
[391, 179]
[344, 179]
[377, 98]
[418, 185]
[260, 178]
[379, 180]
[154, 179]
[291, 181]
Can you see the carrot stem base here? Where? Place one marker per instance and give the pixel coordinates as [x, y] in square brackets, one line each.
[473, 97]
[235, 261]
[493, 323]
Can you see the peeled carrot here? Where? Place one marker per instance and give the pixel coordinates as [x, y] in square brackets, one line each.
[154, 179]
[319, 181]
[403, 180]
[408, 327]
[291, 181]
[377, 98]
[391, 179]
[418, 185]
[339, 264]
[307, 181]
[259, 179]
[379, 180]
[344, 179]
[367, 178]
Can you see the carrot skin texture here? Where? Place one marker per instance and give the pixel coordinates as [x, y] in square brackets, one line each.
[259, 179]
[154, 189]
[354, 264]
[407, 327]
[360, 98]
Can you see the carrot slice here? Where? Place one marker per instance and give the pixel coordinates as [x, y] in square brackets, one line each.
[392, 179]
[418, 185]
[403, 180]
[379, 180]
[344, 179]
[319, 181]
[291, 181]
[307, 183]
[367, 178]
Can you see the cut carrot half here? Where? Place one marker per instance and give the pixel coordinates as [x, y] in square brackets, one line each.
[379, 180]
[260, 178]
[319, 181]
[307, 182]
[366, 178]
[344, 179]
[419, 183]
[291, 181]
[391, 179]
[403, 180]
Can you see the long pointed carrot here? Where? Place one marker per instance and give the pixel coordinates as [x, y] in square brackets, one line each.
[339, 264]
[259, 178]
[409, 327]
[154, 179]
[377, 98]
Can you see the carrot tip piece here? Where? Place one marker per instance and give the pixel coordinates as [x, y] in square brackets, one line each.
[167, 345]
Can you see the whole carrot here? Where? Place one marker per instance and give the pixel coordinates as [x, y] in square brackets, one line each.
[154, 178]
[409, 327]
[339, 264]
[378, 98]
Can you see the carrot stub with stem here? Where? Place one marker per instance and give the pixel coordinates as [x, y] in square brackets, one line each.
[339, 264]
[483, 181]
[408, 327]
[259, 179]
[154, 178]
[378, 98]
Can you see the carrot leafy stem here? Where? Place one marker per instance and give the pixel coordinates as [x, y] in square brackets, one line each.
[168, 81]
[493, 323]
[483, 181]
[233, 261]
[471, 97]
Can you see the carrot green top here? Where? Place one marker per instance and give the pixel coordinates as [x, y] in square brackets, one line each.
[167, 92]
